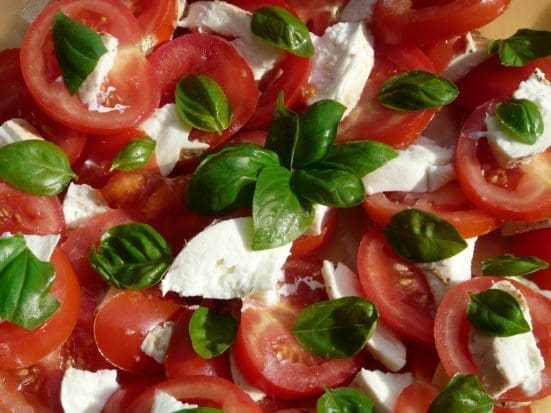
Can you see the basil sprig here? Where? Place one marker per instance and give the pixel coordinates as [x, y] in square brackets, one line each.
[25, 284]
[463, 393]
[134, 155]
[521, 119]
[35, 166]
[133, 256]
[423, 237]
[417, 90]
[522, 47]
[336, 328]
[77, 48]
[211, 333]
[279, 28]
[344, 400]
[497, 313]
[200, 410]
[509, 265]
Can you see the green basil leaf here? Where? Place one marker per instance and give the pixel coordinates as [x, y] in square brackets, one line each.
[283, 133]
[225, 180]
[360, 158]
[497, 313]
[521, 119]
[25, 284]
[463, 394]
[511, 266]
[36, 166]
[200, 410]
[133, 256]
[336, 188]
[77, 48]
[211, 333]
[336, 328]
[344, 400]
[279, 28]
[522, 47]
[417, 90]
[134, 155]
[279, 215]
[422, 237]
[202, 104]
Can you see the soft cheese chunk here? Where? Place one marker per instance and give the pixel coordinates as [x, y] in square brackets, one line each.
[85, 391]
[81, 203]
[157, 340]
[382, 388]
[42, 246]
[15, 130]
[357, 11]
[237, 377]
[171, 136]
[165, 403]
[476, 51]
[342, 63]
[220, 263]
[320, 212]
[507, 150]
[507, 362]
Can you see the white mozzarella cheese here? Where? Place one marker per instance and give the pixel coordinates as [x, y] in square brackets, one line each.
[357, 11]
[476, 51]
[171, 136]
[507, 150]
[507, 362]
[81, 203]
[320, 212]
[255, 393]
[157, 340]
[382, 388]
[42, 246]
[16, 130]
[340, 281]
[165, 403]
[85, 391]
[342, 62]
[220, 263]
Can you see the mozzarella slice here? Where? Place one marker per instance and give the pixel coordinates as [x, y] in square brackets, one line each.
[85, 391]
[42, 246]
[316, 228]
[476, 51]
[16, 130]
[157, 340]
[81, 203]
[165, 403]
[382, 388]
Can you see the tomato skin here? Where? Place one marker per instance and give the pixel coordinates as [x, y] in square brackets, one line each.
[307, 245]
[157, 19]
[536, 243]
[126, 394]
[416, 398]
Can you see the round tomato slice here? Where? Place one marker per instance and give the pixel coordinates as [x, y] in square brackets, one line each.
[536, 243]
[451, 331]
[120, 400]
[518, 192]
[416, 398]
[133, 80]
[309, 244]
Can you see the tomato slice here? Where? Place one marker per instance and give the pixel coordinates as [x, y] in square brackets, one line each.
[416, 398]
[307, 245]
[126, 394]
[536, 243]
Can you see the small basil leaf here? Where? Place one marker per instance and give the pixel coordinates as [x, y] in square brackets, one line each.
[336, 328]
[36, 166]
[283, 134]
[422, 237]
[25, 283]
[417, 90]
[225, 180]
[511, 266]
[496, 313]
[202, 104]
[200, 410]
[211, 333]
[336, 188]
[522, 47]
[134, 155]
[279, 28]
[463, 394]
[344, 400]
[77, 48]
[521, 119]
[133, 256]
[279, 215]
[360, 158]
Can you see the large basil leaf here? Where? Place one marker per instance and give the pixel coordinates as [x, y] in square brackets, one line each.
[211, 333]
[422, 237]
[463, 394]
[36, 166]
[359, 158]
[133, 256]
[336, 328]
[522, 47]
[521, 119]
[25, 284]
[134, 155]
[284, 133]
[509, 265]
[77, 48]
[344, 400]
[226, 179]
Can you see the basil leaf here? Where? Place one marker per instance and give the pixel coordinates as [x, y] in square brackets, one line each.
[134, 155]
[211, 333]
[284, 133]
[496, 313]
[77, 48]
[511, 266]
[25, 284]
[422, 237]
[279, 28]
[279, 216]
[200, 410]
[336, 328]
[463, 394]
[521, 119]
[133, 256]
[202, 104]
[522, 47]
[332, 187]
[36, 166]
[360, 158]
[225, 180]
[417, 90]
[344, 400]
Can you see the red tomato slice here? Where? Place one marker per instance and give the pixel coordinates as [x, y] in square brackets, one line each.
[416, 398]
[132, 76]
[399, 291]
[309, 244]
[157, 19]
[519, 193]
[370, 119]
[317, 14]
[126, 394]
[536, 243]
